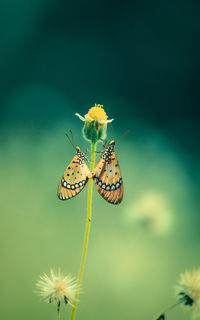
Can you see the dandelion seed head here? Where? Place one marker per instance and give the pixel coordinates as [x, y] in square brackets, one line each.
[57, 288]
[188, 290]
[151, 211]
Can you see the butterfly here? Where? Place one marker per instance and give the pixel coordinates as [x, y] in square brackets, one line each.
[75, 177]
[107, 176]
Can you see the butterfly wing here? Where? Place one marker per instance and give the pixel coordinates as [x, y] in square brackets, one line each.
[108, 179]
[74, 179]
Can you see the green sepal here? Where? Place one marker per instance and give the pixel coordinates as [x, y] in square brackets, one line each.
[94, 131]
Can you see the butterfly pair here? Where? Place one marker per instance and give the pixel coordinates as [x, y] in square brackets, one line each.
[106, 175]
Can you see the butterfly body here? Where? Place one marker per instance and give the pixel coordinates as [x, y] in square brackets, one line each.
[107, 176]
[75, 177]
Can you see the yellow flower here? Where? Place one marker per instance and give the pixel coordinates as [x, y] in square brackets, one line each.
[57, 288]
[96, 113]
[95, 123]
[189, 291]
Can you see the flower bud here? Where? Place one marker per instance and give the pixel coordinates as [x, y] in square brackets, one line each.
[95, 124]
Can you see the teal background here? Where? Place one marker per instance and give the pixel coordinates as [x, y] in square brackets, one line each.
[139, 59]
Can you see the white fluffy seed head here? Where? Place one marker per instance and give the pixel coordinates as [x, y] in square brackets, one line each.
[189, 285]
[57, 288]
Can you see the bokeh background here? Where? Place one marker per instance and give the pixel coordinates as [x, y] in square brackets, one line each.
[140, 59]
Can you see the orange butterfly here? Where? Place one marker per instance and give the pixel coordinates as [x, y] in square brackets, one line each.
[107, 176]
[75, 177]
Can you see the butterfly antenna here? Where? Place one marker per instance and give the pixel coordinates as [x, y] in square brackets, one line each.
[72, 136]
[85, 154]
[123, 135]
[113, 130]
[114, 133]
[70, 140]
[104, 142]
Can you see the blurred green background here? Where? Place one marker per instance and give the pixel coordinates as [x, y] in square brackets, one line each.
[140, 59]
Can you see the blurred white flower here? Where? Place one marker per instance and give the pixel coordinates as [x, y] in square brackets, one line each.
[151, 211]
[188, 291]
[57, 288]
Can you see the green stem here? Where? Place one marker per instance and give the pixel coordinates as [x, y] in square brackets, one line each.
[171, 306]
[87, 231]
[58, 310]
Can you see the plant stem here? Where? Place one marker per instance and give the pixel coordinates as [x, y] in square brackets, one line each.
[58, 310]
[171, 306]
[87, 230]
